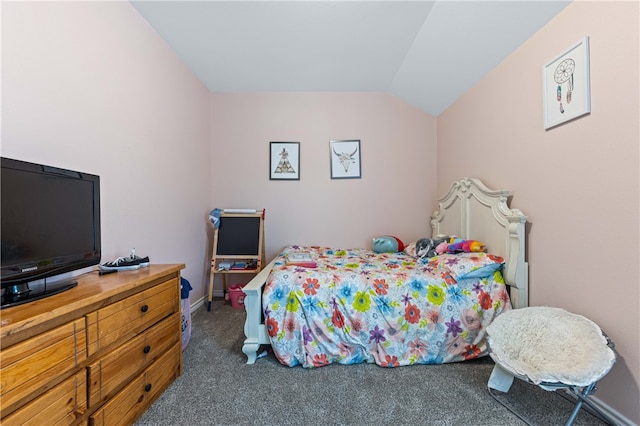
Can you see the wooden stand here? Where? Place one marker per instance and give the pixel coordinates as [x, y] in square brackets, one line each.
[239, 238]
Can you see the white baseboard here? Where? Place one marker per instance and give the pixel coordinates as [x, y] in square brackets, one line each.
[615, 415]
[197, 304]
[203, 301]
[618, 418]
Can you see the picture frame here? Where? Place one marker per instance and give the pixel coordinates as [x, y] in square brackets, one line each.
[284, 161]
[566, 85]
[345, 159]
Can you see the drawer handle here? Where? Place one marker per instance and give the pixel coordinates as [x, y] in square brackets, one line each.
[146, 349]
[147, 388]
[144, 308]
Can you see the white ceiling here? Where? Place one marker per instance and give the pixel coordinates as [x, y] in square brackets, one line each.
[427, 53]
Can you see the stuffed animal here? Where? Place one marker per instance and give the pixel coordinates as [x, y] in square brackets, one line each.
[458, 245]
[455, 245]
[442, 248]
[426, 247]
[473, 246]
[387, 244]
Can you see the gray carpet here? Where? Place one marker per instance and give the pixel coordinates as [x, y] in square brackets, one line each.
[218, 388]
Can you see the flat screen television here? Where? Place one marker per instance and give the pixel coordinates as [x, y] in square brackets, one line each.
[50, 226]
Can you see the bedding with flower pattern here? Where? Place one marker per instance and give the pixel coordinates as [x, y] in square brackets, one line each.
[389, 308]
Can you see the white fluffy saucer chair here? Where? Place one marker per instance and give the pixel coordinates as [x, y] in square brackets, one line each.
[551, 348]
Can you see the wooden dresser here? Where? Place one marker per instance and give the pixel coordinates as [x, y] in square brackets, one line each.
[97, 354]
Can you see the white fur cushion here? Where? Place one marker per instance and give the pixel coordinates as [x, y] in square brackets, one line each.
[550, 345]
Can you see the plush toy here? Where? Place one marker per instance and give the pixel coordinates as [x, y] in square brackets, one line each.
[473, 246]
[458, 245]
[442, 248]
[426, 247]
[387, 244]
[455, 245]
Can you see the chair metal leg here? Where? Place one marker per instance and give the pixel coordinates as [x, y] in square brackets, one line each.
[583, 398]
[576, 409]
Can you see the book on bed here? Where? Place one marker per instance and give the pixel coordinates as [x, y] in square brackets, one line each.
[303, 259]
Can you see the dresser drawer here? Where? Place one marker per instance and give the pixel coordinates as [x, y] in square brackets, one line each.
[33, 366]
[111, 371]
[128, 404]
[122, 320]
[62, 405]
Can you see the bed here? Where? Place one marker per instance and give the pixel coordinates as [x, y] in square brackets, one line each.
[394, 309]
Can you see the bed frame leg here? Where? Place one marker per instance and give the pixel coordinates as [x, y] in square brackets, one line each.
[253, 307]
[250, 349]
[254, 329]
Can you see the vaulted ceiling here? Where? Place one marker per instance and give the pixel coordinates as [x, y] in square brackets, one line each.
[427, 53]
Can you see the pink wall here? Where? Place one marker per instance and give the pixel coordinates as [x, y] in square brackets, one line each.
[398, 166]
[90, 86]
[578, 183]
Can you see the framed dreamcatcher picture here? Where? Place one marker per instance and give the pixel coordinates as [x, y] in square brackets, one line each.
[566, 85]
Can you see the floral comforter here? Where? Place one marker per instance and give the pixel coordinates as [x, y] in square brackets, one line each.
[392, 309]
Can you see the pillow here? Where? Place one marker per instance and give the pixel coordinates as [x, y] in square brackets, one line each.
[410, 249]
[468, 265]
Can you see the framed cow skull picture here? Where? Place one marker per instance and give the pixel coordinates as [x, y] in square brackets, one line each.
[345, 159]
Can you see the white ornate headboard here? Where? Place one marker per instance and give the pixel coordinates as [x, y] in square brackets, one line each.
[470, 210]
